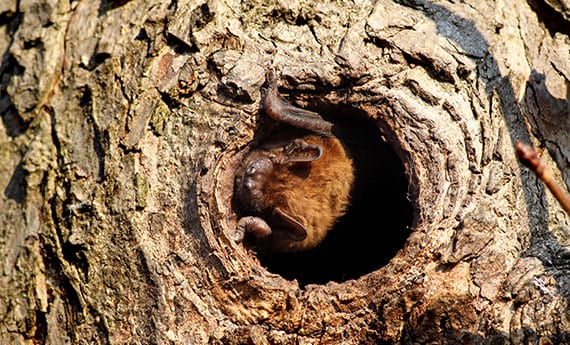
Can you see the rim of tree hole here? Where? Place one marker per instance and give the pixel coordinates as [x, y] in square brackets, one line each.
[375, 226]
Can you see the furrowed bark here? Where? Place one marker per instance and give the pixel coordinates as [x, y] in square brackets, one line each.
[123, 122]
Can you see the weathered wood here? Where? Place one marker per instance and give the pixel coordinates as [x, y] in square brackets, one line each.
[123, 122]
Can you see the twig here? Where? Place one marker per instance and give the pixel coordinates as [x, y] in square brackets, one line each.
[530, 159]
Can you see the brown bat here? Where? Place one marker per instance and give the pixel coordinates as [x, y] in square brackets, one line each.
[291, 190]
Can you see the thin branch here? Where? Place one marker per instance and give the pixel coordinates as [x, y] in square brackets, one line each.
[529, 158]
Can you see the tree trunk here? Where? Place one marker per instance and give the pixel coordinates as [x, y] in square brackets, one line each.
[123, 123]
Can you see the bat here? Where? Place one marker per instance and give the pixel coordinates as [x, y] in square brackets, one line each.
[292, 188]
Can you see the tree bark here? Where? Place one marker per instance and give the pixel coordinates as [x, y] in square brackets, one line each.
[123, 123]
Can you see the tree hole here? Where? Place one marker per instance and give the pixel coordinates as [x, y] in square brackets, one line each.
[375, 226]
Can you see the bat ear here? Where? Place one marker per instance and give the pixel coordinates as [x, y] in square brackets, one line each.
[293, 227]
[299, 151]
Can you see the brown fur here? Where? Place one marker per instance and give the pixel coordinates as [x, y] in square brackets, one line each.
[316, 193]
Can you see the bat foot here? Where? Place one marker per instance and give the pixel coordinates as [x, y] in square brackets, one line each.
[253, 225]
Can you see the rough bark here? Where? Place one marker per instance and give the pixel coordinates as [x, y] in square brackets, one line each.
[123, 122]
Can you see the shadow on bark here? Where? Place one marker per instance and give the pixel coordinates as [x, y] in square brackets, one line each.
[517, 131]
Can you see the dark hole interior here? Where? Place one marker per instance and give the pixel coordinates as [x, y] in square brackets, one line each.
[375, 226]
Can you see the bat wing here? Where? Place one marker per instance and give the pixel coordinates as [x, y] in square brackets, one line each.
[280, 110]
[293, 228]
[306, 119]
